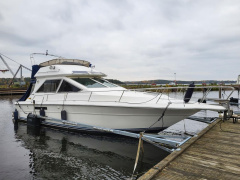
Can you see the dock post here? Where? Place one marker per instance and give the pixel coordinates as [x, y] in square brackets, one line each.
[220, 93]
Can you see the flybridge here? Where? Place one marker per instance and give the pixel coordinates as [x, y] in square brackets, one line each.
[64, 69]
[64, 66]
[59, 60]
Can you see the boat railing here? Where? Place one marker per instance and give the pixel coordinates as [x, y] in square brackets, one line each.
[121, 96]
[183, 89]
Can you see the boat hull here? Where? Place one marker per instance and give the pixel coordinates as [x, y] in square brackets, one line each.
[133, 119]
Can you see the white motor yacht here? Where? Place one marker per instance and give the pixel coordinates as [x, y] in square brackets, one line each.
[71, 93]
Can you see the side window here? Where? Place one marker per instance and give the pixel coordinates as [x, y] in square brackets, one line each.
[89, 83]
[49, 86]
[67, 87]
[105, 82]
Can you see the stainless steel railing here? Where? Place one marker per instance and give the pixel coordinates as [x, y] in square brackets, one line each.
[157, 93]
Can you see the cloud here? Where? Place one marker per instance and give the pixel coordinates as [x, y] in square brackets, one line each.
[129, 40]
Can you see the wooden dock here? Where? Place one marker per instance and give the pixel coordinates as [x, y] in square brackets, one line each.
[12, 91]
[213, 154]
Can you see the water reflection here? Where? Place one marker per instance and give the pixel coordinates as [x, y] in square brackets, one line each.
[46, 153]
[63, 155]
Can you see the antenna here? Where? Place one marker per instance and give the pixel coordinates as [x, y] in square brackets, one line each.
[45, 54]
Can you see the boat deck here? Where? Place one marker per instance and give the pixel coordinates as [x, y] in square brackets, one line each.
[213, 154]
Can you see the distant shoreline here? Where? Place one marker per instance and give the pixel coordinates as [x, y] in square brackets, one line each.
[163, 82]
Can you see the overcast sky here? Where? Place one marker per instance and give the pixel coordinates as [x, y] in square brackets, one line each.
[127, 39]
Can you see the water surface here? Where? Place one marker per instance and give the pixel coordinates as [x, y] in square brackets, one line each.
[27, 153]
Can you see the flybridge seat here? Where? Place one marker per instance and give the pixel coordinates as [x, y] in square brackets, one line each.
[65, 62]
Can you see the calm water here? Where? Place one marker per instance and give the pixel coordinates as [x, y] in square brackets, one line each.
[53, 154]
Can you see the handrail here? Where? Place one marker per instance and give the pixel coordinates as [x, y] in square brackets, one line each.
[145, 90]
[121, 97]
[90, 97]
[185, 87]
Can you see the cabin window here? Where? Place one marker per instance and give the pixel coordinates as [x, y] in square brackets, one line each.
[89, 82]
[49, 86]
[67, 87]
[105, 82]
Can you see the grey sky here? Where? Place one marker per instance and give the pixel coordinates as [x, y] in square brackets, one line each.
[128, 39]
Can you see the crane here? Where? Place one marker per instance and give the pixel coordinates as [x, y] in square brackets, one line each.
[9, 69]
[4, 70]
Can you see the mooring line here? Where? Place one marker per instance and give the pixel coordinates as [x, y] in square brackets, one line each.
[161, 117]
[140, 147]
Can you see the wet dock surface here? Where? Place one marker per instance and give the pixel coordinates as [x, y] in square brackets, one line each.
[213, 154]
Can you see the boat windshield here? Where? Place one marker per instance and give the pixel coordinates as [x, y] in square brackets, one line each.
[89, 83]
[105, 82]
[49, 86]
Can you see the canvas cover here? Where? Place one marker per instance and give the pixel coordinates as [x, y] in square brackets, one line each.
[65, 62]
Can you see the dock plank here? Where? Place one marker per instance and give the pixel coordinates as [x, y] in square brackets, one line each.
[215, 154]
[196, 171]
[225, 157]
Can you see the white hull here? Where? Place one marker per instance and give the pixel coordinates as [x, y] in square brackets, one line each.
[114, 117]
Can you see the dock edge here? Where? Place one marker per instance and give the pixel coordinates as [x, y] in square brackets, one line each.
[167, 160]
